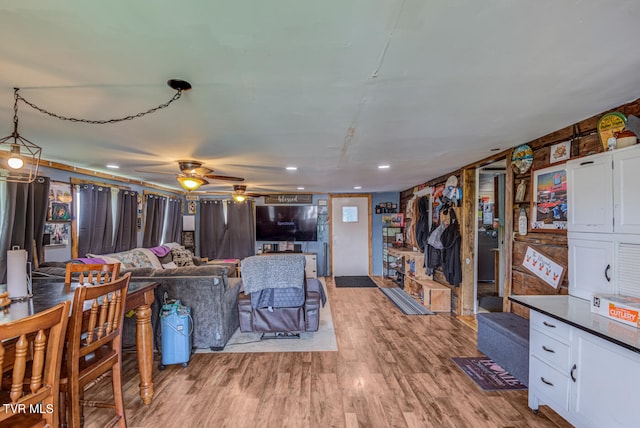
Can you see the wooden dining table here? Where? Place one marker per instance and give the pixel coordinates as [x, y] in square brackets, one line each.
[49, 292]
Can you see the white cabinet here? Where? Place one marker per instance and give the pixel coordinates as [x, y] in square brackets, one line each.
[604, 223]
[589, 184]
[311, 265]
[589, 381]
[603, 192]
[606, 383]
[626, 190]
[591, 265]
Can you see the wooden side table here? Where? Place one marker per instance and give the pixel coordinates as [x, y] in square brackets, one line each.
[235, 263]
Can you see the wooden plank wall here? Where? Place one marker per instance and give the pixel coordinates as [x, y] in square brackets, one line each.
[585, 141]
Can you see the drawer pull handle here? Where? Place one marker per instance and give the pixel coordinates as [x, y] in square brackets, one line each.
[548, 325]
[573, 369]
[606, 273]
[548, 349]
[545, 381]
[585, 163]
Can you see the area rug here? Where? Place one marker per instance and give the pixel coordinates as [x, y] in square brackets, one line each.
[404, 302]
[488, 375]
[354, 281]
[322, 340]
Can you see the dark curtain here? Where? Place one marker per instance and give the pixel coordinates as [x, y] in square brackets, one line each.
[213, 230]
[23, 216]
[173, 232]
[95, 221]
[241, 230]
[154, 220]
[126, 221]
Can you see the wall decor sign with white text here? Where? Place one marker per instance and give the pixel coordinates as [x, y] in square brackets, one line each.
[294, 198]
[543, 267]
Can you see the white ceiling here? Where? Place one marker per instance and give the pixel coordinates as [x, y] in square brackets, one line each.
[332, 87]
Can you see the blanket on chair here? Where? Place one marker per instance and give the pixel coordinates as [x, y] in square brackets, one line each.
[273, 271]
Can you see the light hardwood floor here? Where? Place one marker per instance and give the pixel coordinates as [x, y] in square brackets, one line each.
[390, 370]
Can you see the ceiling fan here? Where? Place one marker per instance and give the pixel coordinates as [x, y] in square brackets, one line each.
[193, 175]
[240, 194]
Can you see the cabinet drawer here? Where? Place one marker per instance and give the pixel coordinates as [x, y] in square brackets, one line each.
[550, 350]
[550, 385]
[550, 326]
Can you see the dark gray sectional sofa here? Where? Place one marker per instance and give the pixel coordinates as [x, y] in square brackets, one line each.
[206, 289]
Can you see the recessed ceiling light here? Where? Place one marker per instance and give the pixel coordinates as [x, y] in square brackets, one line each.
[357, 187]
[292, 168]
[384, 166]
[112, 166]
[300, 188]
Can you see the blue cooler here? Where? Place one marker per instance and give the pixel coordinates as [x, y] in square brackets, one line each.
[177, 334]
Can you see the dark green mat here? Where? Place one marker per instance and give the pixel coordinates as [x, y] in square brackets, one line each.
[354, 281]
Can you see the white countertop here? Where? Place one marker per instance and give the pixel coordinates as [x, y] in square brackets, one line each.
[577, 312]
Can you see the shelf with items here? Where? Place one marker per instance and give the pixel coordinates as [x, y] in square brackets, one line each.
[392, 265]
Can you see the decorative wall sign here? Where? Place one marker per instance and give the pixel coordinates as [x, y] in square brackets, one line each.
[543, 267]
[522, 158]
[294, 198]
[549, 199]
[560, 152]
[608, 125]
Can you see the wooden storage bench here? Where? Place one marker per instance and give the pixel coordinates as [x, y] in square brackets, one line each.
[437, 297]
[504, 337]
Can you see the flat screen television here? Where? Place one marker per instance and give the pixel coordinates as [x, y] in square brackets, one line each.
[286, 223]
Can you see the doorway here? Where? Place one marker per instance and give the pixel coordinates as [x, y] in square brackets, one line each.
[490, 191]
[350, 235]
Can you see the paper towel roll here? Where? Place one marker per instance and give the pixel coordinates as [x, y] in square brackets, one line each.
[17, 273]
[21, 310]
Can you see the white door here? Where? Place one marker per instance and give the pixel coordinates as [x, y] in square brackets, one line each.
[350, 235]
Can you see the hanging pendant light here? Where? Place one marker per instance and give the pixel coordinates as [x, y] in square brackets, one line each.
[23, 157]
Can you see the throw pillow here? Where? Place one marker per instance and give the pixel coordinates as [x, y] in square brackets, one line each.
[182, 257]
[170, 265]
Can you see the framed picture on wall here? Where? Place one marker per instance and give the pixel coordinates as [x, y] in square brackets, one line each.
[549, 199]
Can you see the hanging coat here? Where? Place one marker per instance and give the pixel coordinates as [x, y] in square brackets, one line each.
[422, 224]
[451, 241]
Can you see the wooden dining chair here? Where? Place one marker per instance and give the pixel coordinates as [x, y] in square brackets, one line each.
[31, 356]
[89, 274]
[94, 349]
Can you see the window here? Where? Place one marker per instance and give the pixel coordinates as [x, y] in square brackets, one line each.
[350, 214]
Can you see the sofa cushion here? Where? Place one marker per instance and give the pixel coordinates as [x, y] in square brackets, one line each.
[182, 257]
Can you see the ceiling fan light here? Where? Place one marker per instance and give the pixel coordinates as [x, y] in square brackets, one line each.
[239, 197]
[190, 183]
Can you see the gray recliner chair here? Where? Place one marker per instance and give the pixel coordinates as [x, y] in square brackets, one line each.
[277, 298]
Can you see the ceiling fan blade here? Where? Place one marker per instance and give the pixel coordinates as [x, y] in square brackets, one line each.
[202, 170]
[223, 177]
[154, 172]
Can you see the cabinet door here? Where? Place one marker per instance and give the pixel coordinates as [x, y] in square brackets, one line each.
[589, 188]
[626, 190]
[591, 267]
[607, 376]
